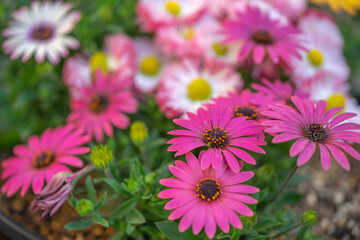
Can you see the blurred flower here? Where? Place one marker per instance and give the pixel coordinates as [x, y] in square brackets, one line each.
[55, 193]
[84, 207]
[292, 9]
[314, 127]
[150, 64]
[278, 91]
[262, 36]
[246, 104]
[118, 57]
[138, 132]
[324, 42]
[207, 199]
[101, 156]
[155, 14]
[350, 6]
[42, 158]
[102, 105]
[221, 133]
[41, 30]
[195, 84]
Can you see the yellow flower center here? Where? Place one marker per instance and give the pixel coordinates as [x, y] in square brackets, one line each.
[315, 57]
[188, 33]
[98, 60]
[199, 90]
[336, 100]
[220, 49]
[150, 65]
[173, 8]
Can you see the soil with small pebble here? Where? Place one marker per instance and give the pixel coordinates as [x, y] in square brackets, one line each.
[335, 195]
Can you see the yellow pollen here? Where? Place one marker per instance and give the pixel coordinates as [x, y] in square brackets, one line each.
[315, 57]
[150, 65]
[98, 60]
[173, 7]
[199, 90]
[336, 100]
[220, 49]
[188, 33]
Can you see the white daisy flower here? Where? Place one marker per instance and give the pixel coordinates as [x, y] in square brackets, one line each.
[186, 85]
[324, 50]
[149, 63]
[155, 14]
[41, 31]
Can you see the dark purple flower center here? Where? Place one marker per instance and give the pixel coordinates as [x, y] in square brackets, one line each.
[43, 160]
[42, 33]
[262, 37]
[208, 189]
[216, 137]
[250, 112]
[315, 132]
[99, 103]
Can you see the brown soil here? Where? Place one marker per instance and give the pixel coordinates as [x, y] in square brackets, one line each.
[51, 228]
[335, 195]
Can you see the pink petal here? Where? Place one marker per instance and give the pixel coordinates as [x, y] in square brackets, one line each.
[242, 155]
[181, 174]
[70, 160]
[240, 188]
[324, 157]
[339, 156]
[179, 212]
[38, 181]
[216, 158]
[199, 219]
[174, 193]
[210, 225]
[237, 178]
[206, 159]
[284, 137]
[187, 219]
[298, 147]
[231, 161]
[259, 53]
[306, 154]
[238, 207]
[176, 183]
[194, 164]
[220, 217]
[179, 201]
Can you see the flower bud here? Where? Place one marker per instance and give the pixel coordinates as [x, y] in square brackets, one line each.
[84, 207]
[138, 132]
[101, 156]
[248, 222]
[309, 218]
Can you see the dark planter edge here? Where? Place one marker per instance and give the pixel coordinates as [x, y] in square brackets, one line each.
[15, 231]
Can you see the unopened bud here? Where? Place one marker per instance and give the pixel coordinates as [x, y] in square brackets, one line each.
[84, 207]
[101, 156]
[309, 218]
[138, 132]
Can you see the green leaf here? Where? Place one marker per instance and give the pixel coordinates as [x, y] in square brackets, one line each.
[124, 208]
[170, 229]
[72, 200]
[135, 217]
[102, 200]
[130, 228]
[90, 189]
[100, 220]
[118, 187]
[79, 225]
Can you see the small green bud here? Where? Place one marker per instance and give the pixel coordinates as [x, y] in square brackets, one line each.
[84, 207]
[149, 178]
[309, 218]
[248, 222]
[138, 132]
[265, 172]
[101, 156]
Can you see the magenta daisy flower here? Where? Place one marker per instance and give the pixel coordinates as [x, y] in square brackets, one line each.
[314, 127]
[278, 91]
[223, 135]
[262, 36]
[43, 158]
[207, 198]
[102, 105]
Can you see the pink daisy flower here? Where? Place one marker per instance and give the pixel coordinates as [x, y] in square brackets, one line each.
[221, 133]
[196, 83]
[314, 127]
[156, 14]
[278, 91]
[292, 9]
[43, 158]
[41, 30]
[102, 105]
[262, 36]
[207, 198]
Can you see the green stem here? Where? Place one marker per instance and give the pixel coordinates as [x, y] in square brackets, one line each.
[284, 185]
